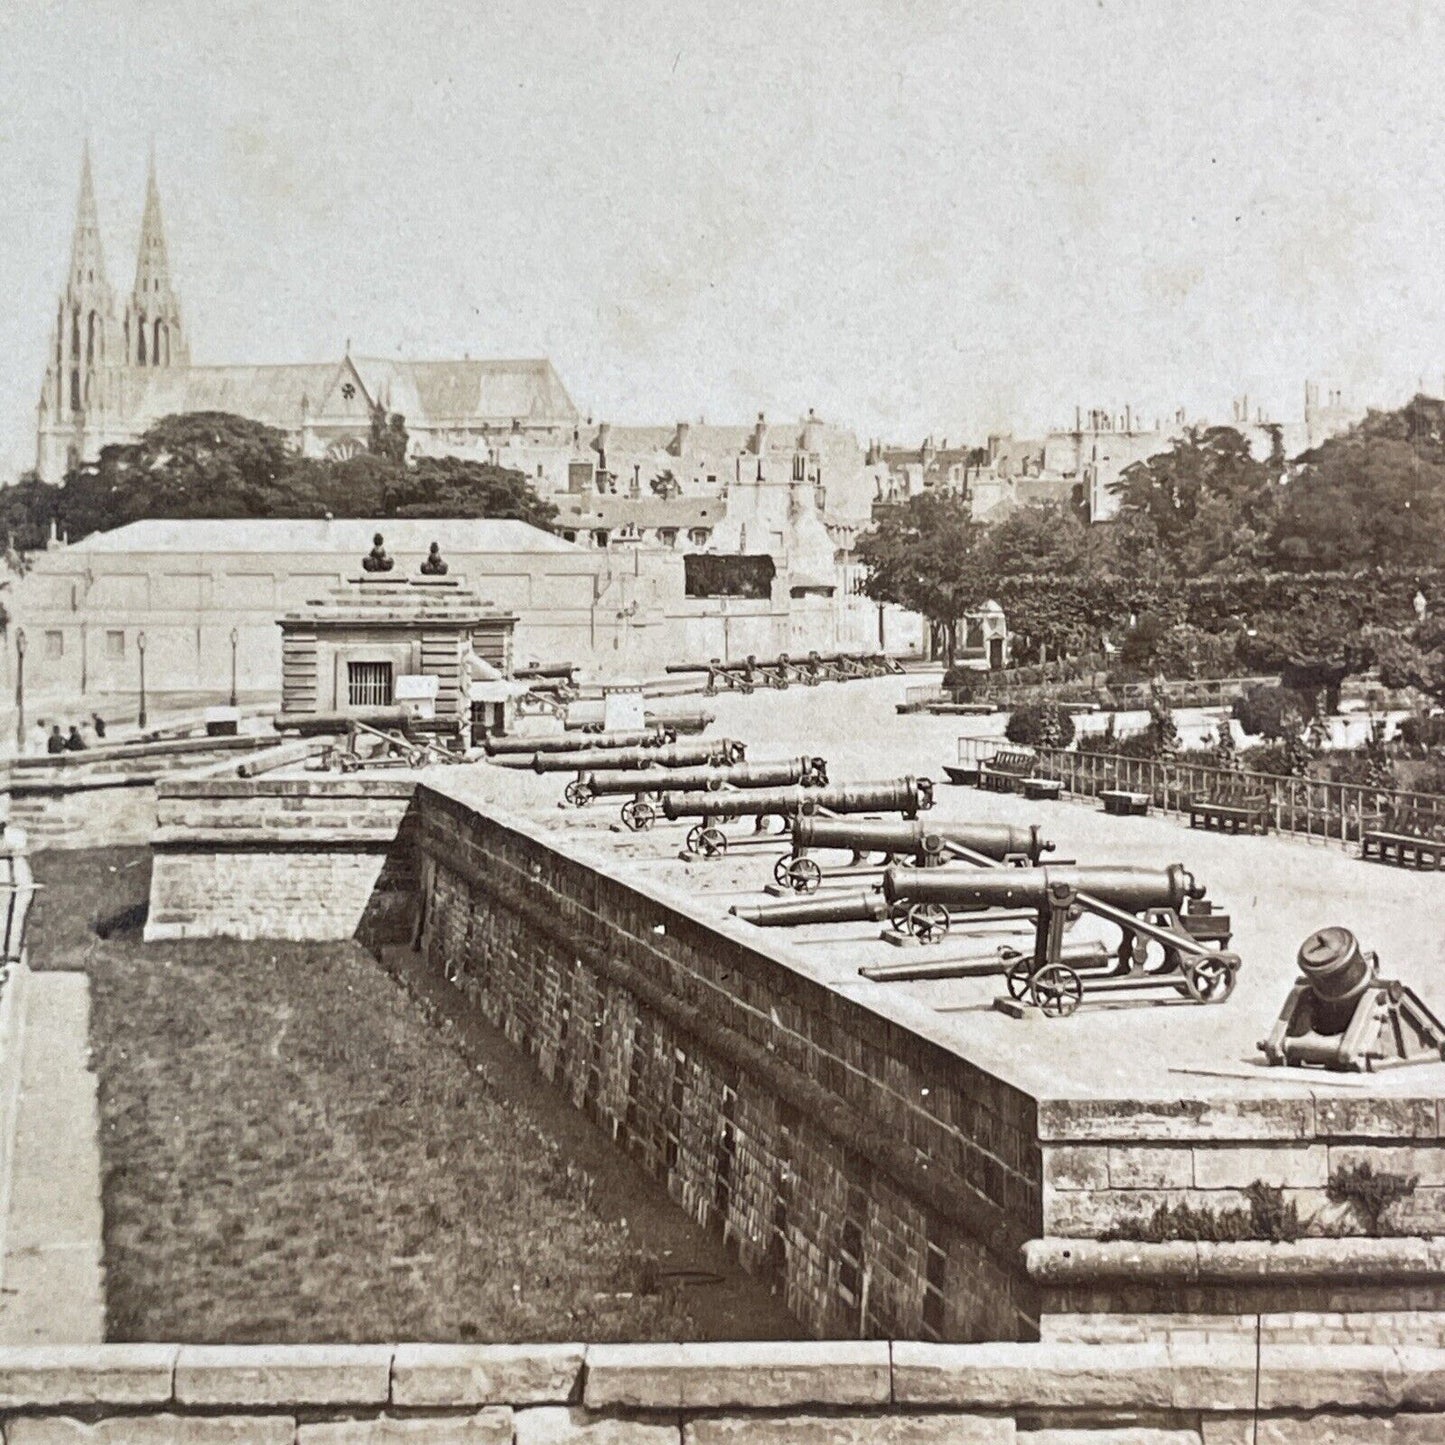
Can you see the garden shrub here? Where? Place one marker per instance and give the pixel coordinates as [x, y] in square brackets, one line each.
[1040, 725]
[1263, 711]
[963, 683]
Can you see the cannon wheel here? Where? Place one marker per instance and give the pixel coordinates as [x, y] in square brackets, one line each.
[1207, 980]
[638, 813]
[801, 874]
[928, 922]
[707, 841]
[1018, 975]
[577, 793]
[898, 915]
[1057, 990]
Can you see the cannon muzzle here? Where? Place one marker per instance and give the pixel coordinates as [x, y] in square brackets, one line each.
[1132, 889]
[864, 906]
[908, 796]
[899, 836]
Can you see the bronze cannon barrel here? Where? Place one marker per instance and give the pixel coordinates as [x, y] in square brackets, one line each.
[565, 670]
[573, 742]
[908, 796]
[897, 835]
[708, 780]
[865, 906]
[1131, 889]
[715, 752]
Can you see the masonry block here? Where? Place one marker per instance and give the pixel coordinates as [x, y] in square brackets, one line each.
[41, 1375]
[568, 1425]
[492, 1426]
[1111, 1435]
[152, 1430]
[441, 1375]
[283, 1375]
[1302, 1377]
[1351, 1430]
[1301, 1166]
[1042, 1376]
[755, 1374]
[1147, 1166]
[891, 1429]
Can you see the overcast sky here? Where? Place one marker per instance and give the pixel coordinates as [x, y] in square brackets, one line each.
[952, 217]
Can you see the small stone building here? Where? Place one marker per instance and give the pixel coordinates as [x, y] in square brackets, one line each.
[345, 652]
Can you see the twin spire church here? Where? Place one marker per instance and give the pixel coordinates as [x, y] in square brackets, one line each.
[114, 369]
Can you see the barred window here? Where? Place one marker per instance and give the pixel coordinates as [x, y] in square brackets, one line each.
[369, 684]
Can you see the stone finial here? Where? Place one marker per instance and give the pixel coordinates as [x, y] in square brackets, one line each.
[377, 560]
[434, 566]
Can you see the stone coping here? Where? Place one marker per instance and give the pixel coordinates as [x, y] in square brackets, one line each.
[399, 784]
[187, 839]
[857, 1375]
[1064, 1262]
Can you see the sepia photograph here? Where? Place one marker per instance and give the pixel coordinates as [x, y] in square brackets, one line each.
[722, 723]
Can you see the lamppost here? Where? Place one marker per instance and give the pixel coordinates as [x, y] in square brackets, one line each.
[235, 638]
[140, 647]
[19, 690]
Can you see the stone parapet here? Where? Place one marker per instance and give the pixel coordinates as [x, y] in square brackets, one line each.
[899, 1393]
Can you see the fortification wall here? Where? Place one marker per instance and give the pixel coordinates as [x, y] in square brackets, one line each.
[885, 1182]
[728, 1394]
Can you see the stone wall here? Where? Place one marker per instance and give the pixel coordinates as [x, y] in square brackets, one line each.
[319, 856]
[105, 797]
[723, 1394]
[882, 1182]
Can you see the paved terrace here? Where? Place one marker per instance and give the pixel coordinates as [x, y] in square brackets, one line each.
[1277, 890]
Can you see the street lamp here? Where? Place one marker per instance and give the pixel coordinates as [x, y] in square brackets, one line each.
[140, 647]
[19, 689]
[235, 638]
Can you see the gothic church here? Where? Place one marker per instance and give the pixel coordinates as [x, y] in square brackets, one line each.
[112, 371]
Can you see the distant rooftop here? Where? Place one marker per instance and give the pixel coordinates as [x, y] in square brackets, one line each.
[348, 537]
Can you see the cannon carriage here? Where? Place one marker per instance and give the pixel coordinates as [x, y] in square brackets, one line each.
[1171, 939]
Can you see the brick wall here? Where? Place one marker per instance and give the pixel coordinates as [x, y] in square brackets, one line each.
[883, 1183]
[316, 857]
[728, 1394]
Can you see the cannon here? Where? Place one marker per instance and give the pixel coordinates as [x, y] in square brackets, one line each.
[908, 796]
[863, 905]
[925, 845]
[718, 752]
[576, 742]
[745, 676]
[1167, 929]
[548, 671]
[1342, 1015]
[646, 786]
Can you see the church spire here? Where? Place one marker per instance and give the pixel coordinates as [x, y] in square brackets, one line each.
[87, 259]
[153, 334]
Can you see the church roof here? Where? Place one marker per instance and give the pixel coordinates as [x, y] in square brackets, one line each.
[606, 513]
[467, 390]
[346, 537]
[271, 394]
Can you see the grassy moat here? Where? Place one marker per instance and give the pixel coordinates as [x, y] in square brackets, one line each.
[292, 1152]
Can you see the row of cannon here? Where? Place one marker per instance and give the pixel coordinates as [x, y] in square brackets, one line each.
[782, 671]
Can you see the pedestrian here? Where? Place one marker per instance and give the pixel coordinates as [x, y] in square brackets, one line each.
[98, 723]
[38, 737]
[55, 743]
[74, 743]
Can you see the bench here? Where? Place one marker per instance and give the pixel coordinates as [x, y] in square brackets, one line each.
[1231, 812]
[1406, 840]
[1005, 771]
[1125, 805]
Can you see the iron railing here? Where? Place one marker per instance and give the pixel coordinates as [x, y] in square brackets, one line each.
[1307, 807]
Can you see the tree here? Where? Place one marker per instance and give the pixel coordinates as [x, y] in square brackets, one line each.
[1207, 500]
[387, 437]
[926, 555]
[1415, 657]
[454, 487]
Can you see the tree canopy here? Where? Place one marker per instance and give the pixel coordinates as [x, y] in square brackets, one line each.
[214, 464]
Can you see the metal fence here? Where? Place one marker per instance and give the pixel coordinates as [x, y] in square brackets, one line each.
[1307, 807]
[1128, 696]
